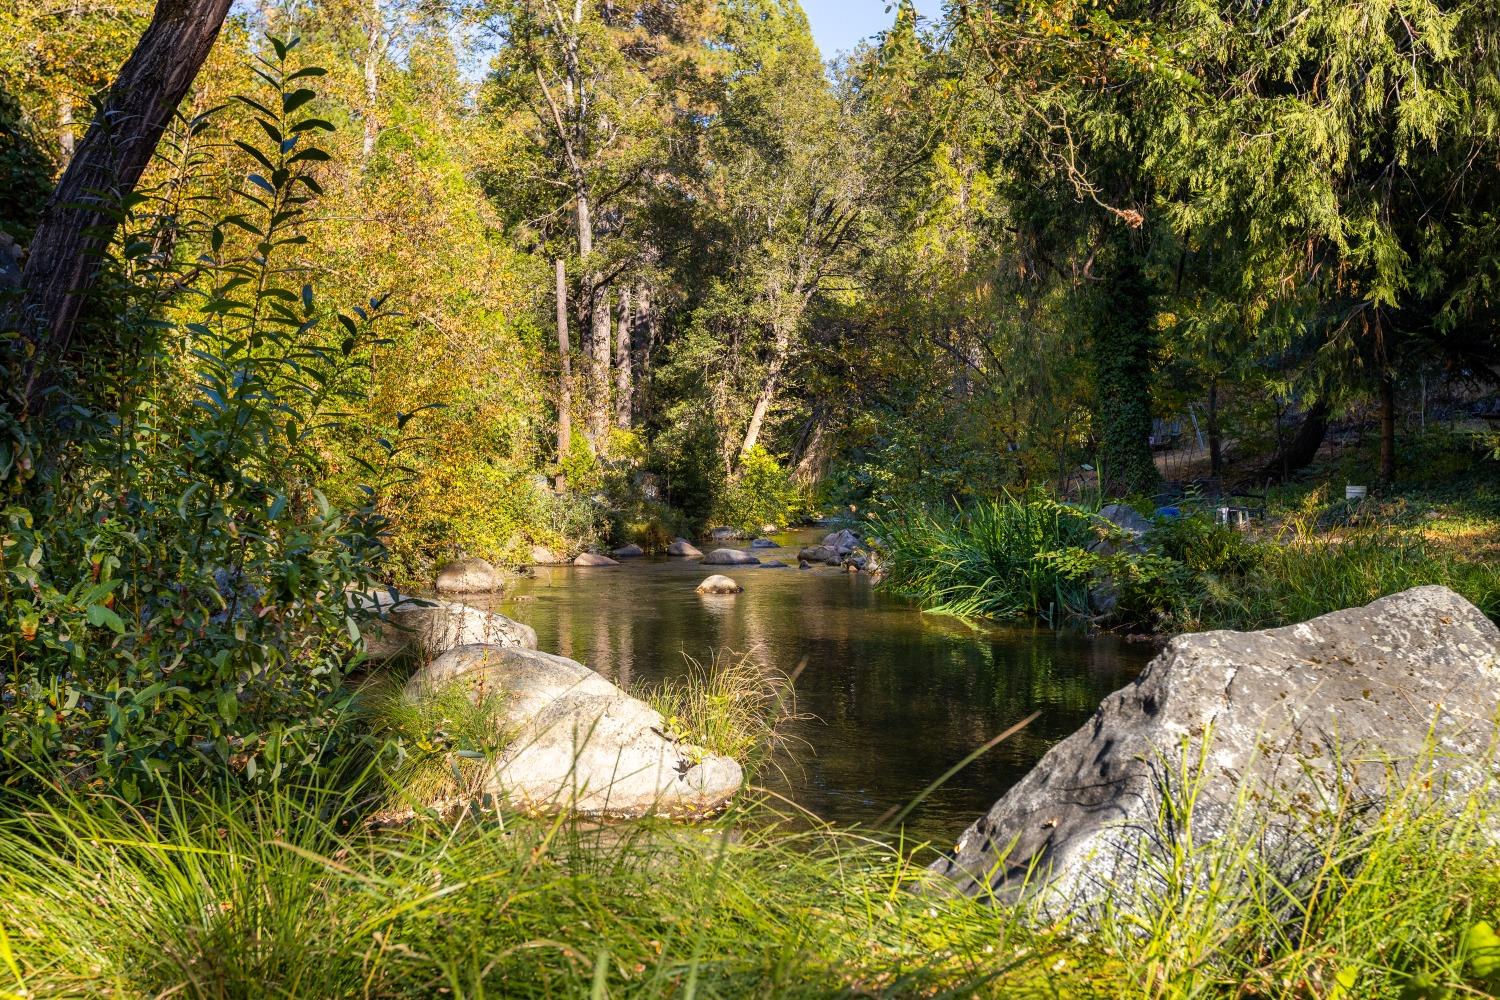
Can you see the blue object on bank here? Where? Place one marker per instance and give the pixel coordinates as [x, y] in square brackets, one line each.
[1168, 512]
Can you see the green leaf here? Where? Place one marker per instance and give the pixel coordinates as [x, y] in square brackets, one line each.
[99, 615]
[228, 706]
[294, 100]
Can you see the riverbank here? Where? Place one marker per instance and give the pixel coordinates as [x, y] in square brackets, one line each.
[227, 893]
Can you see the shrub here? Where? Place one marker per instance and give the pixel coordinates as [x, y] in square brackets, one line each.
[174, 590]
[760, 492]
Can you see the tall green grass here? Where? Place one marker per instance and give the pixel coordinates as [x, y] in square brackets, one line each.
[1027, 557]
[732, 705]
[222, 893]
[985, 561]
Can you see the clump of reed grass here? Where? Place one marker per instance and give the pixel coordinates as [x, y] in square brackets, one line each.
[1026, 557]
[988, 560]
[436, 745]
[732, 705]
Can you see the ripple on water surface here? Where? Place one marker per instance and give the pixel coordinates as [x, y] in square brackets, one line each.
[897, 697]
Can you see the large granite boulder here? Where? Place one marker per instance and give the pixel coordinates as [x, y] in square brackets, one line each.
[631, 551]
[593, 559]
[467, 576]
[683, 547]
[1274, 731]
[1121, 529]
[1124, 528]
[762, 543]
[577, 742]
[423, 628]
[730, 557]
[719, 584]
[543, 556]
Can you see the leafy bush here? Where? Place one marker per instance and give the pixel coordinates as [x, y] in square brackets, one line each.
[174, 588]
[760, 492]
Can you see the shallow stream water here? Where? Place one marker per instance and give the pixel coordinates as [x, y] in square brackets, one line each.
[895, 697]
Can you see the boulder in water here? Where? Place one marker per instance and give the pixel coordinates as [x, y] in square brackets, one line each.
[723, 534]
[543, 556]
[1275, 730]
[467, 576]
[719, 584]
[683, 547]
[819, 554]
[773, 564]
[631, 551]
[578, 743]
[842, 541]
[729, 557]
[593, 559]
[762, 543]
[423, 628]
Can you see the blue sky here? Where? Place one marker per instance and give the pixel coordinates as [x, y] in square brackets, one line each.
[838, 24]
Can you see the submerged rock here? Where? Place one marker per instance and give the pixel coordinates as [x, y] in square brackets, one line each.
[683, 547]
[631, 551]
[729, 557]
[1275, 731]
[423, 628]
[722, 534]
[762, 543]
[719, 584]
[773, 564]
[467, 576]
[593, 559]
[578, 743]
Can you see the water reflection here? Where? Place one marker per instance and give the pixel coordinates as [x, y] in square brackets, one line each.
[898, 697]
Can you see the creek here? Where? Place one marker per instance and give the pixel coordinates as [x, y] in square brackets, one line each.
[894, 698]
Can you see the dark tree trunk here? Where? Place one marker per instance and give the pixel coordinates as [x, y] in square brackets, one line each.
[1215, 440]
[1299, 452]
[1387, 429]
[81, 216]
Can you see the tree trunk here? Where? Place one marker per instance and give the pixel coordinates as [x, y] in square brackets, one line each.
[1215, 441]
[780, 350]
[1387, 429]
[372, 84]
[1299, 452]
[65, 126]
[564, 377]
[1122, 353]
[624, 324]
[81, 216]
[599, 370]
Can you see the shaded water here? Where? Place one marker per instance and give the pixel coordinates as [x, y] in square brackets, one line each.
[898, 697]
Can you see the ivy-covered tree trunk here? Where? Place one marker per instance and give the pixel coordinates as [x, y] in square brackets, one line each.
[1123, 347]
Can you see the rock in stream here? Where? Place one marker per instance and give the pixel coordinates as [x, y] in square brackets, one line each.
[1278, 729]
